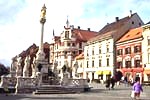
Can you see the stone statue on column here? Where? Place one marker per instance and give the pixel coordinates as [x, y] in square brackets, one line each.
[18, 69]
[13, 66]
[26, 67]
[74, 71]
[43, 12]
[33, 64]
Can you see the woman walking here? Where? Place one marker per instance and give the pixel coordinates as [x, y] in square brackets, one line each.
[137, 88]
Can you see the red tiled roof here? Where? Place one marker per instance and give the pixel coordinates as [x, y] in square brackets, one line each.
[80, 56]
[132, 34]
[84, 35]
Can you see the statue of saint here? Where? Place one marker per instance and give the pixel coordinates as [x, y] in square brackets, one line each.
[26, 66]
[43, 12]
[18, 69]
[33, 67]
[14, 64]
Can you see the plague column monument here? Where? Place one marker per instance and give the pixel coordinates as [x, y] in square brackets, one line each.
[40, 53]
[41, 63]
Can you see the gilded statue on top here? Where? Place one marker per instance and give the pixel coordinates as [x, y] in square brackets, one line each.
[43, 12]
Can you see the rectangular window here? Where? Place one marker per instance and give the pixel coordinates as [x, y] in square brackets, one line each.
[100, 51]
[119, 52]
[67, 34]
[128, 50]
[100, 63]
[81, 65]
[137, 63]
[80, 51]
[128, 64]
[87, 53]
[73, 52]
[93, 63]
[68, 44]
[107, 61]
[137, 49]
[80, 45]
[107, 49]
[87, 64]
[73, 44]
[92, 51]
[65, 54]
[148, 41]
[119, 64]
[148, 55]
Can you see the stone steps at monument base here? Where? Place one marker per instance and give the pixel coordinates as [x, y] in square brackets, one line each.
[53, 92]
[57, 90]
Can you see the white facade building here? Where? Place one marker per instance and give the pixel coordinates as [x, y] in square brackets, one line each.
[100, 54]
[146, 51]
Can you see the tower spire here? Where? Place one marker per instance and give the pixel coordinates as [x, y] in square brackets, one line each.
[53, 33]
[67, 22]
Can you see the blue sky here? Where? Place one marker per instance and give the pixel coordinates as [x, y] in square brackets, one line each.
[20, 26]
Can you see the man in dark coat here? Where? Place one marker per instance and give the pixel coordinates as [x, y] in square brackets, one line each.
[112, 82]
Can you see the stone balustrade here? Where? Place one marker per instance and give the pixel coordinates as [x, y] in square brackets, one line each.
[76, 82]
[7, 82]
[26, 84]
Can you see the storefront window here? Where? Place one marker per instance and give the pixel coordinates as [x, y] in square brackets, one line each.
[148, 75]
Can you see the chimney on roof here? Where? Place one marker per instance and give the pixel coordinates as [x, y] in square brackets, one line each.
[89, 29]
[72, 27]
[78, 27]
[130, 13]
[117, 19]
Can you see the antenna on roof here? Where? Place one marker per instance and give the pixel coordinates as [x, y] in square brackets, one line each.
[106, 18]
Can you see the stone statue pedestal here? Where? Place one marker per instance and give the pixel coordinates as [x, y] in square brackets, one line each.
[42, 66]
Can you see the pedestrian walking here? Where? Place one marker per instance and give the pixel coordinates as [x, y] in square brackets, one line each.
[137, 89]
[112, 82]
[108, 81]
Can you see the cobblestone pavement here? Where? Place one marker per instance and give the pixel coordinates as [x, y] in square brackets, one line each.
[98, 92]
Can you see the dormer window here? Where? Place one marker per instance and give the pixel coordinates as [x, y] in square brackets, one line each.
[67, 34]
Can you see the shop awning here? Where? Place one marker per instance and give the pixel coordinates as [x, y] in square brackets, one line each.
[107, 72]
[147, 71]
[99, 72]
